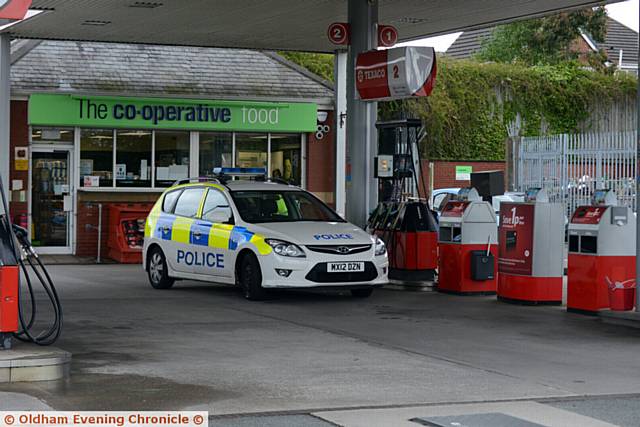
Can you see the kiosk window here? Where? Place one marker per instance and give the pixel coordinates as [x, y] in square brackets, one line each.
[574, 243]
[445, 234]
[456, 234]
[589, 244]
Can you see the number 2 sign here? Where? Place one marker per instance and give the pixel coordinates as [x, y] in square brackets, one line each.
[339, 33]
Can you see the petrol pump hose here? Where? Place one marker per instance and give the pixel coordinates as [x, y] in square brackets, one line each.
[25, 252]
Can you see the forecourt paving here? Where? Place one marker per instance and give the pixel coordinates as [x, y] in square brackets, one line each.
[204, 347]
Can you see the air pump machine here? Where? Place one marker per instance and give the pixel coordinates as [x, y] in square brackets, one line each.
[531, 250]
[403, 219]
[468, 241]
[602, 249]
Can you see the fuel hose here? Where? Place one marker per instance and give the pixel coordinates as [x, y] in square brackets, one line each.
[32, 268]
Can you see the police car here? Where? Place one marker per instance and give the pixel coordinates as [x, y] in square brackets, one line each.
[258, 234]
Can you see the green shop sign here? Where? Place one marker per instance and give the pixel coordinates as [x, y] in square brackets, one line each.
[166, 113]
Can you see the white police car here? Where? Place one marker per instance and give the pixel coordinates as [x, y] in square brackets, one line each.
[259, 235]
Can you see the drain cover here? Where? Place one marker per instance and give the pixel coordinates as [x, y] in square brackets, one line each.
[490, 419]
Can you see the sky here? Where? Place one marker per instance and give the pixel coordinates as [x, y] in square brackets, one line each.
[625, 12]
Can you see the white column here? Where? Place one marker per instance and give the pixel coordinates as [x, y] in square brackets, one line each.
[5, 105]
[340, 126]
[361, 116]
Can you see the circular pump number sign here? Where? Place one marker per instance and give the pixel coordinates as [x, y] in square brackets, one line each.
[338, 33]
[387, 35]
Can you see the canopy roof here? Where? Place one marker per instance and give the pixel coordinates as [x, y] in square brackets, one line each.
[264, 24]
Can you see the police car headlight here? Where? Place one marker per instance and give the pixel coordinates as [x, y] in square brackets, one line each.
[381, 248]
[285, 248]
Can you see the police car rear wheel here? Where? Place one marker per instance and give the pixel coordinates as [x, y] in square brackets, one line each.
[250, 278]
[361, 293]
[158, 272]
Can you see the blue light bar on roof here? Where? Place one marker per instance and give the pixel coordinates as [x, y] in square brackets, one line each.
[240, 171]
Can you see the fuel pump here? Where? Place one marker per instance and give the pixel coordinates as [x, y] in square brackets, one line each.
[403, 219]
[602, 248]
[468, 245]
[9, 277]
[17, 254]
[531, 247]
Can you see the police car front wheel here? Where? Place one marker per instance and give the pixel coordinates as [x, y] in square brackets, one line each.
[158, 271]
[250, 278]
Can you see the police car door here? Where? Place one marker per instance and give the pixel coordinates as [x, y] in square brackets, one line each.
[179, 251]
[213, 233]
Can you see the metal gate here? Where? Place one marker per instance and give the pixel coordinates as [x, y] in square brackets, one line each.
[571, 167]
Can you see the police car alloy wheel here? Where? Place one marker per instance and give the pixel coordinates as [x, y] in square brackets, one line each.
[157, 270]
[250, 279]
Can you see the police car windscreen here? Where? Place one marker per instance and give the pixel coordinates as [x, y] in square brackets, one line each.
[285, 206]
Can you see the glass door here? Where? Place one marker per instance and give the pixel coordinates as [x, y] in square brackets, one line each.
[51, 200]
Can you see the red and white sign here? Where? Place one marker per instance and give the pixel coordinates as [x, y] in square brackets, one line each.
[515, 238]
[588, 215]
[401, 72]
[387, 35]
[14, 9]
[339, 33]
[455, 209]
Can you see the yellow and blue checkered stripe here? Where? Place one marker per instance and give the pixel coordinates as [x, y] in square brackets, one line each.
[203, 233]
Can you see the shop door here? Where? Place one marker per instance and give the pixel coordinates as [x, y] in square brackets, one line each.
[51, 200]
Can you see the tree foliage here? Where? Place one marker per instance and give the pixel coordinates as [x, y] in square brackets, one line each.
[320, 64]
[473, 104]
[543, 41]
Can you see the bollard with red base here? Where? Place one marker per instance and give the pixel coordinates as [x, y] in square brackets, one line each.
[602, 250]
[468, 247]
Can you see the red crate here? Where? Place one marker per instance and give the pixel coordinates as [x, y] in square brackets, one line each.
[126, 232]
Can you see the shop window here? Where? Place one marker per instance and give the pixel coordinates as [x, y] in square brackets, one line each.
[215, 152]
[133, 158]
[251, 150]
[172, 157]
[286, 158]
[189, 202]
[52, 135]
[96, 158]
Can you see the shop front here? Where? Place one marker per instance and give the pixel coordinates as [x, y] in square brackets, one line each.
[88, 154]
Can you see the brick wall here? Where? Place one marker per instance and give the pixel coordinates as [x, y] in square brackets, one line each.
[444, 174]
[321, 163]
[19, 137]
[87, 218]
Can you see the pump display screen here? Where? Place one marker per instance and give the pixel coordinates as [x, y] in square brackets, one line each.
[599, 197]
[531, 194]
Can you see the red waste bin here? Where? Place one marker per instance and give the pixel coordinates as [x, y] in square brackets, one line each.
[622, 295]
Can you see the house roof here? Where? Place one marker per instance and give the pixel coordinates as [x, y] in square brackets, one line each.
[169, 71]
[618, 37]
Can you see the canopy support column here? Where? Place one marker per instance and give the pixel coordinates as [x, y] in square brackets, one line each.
[361, 117]
[5, 105]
